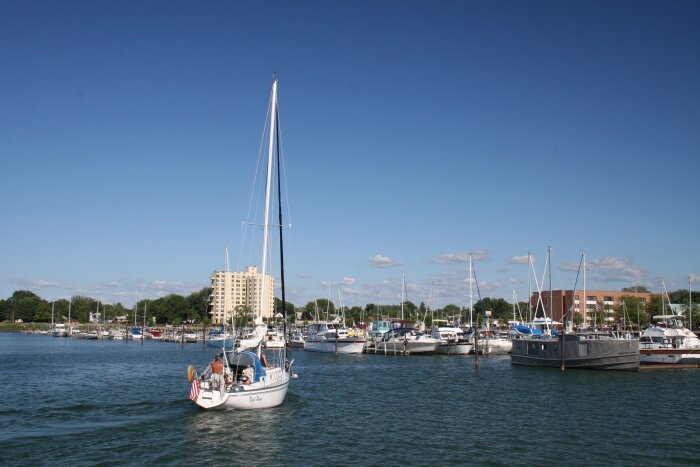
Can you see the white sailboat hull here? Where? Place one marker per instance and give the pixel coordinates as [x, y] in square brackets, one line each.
[270, 391]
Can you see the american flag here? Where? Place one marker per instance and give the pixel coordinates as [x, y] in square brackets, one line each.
[194, 391]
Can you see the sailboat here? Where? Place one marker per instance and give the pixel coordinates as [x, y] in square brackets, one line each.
[250, 380]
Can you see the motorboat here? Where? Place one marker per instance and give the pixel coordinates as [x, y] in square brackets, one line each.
[333, 337]
[274, 339]
[488, 343]
[117, 334]
[297, 340]
[669, 341]
[59, 330]
[407, 341]
[453, 341]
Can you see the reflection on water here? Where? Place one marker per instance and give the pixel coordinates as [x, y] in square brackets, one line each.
[127, 403]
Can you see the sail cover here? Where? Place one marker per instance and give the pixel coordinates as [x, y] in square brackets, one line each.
[253, 340]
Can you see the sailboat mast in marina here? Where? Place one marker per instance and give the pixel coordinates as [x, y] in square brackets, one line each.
[250, 380]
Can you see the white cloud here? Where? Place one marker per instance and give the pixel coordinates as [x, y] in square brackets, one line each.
[609, 269]
[521, 259]
[380, 261]
[461, 257]
[111, 291]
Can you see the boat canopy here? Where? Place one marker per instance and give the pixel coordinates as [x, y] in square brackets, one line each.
[216, 332]
[522, 329]
[667, 317]
[244, 359]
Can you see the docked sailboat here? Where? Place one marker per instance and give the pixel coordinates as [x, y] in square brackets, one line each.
[219, 338]
[250, 380]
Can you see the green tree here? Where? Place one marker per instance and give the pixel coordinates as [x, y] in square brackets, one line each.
[635, 289]
[42, 312]
[634, 309]
[501, 310]
[322, 305]
[23, 304]
[289, 308]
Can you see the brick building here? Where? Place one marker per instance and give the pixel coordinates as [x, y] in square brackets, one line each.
[605, 303]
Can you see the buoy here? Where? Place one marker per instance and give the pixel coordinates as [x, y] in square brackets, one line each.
[190, 373]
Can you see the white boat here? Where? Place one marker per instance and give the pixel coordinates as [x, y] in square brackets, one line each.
[488, 343]
[406, 341]
[191, 337]
[252, 381]
[453, 341]
[669, 341]
[118, 334]
[333, 337]
[219, 338]
[59, 330]
[298, 340]
[136, 333]
[274, 339]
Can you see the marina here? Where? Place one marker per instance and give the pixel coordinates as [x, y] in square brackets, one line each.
[94, 406]
[461, 233]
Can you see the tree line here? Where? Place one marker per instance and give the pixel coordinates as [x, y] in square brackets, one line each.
[172, 309]
[194, 308]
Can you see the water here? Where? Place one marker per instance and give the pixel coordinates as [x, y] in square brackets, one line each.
[81, 402]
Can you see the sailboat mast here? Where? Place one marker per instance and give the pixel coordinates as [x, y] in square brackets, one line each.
[585, 299]
[529, 288]
[279, 211]
[403, 288]
[268, 188]
[690, 303]
[471, 294]
[549, 258]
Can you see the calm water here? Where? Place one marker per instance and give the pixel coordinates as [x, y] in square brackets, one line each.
[77, 402]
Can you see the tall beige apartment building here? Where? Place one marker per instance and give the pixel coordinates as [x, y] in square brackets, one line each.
[231, 291]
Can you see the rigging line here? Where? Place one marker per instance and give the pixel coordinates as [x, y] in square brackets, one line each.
[254, 186]
[539, 289]
[573, 298]
[478, 292]
[282, 163]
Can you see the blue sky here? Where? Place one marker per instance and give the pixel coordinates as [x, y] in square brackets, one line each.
[415, 133]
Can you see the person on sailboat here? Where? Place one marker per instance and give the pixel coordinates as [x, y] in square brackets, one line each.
[217, 372]
[247, 375]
